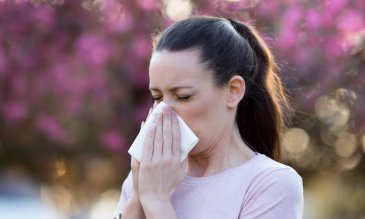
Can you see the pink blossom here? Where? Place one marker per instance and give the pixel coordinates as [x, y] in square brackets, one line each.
[3, 63]
[21, 1]
[66, 63]
[60, 74]
[15, 111]
[93, 48]
[112, 140]
[239, 5]
[287, 39]
[72, 105]
[141, 111]
[359, 4]
[78, 87]
[334, 6]
[119, 24]
[350, 21]
[148, 5]
[19, 85]
[268, 8]
[332, 48]
[44, 17]
[303, 58]
[293, 17]
[141, 48]
[313, 19]
[49, 126]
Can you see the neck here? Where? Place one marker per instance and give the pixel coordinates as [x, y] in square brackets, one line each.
[229, 151]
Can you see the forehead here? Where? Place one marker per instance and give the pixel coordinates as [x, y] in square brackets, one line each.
[177, 68]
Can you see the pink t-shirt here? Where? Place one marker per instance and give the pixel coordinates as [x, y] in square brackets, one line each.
[259, 188]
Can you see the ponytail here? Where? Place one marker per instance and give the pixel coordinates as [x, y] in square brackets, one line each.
[260, 115]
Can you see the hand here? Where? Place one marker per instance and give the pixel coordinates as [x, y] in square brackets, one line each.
[160, 169]
[135, 166]
[133, 207]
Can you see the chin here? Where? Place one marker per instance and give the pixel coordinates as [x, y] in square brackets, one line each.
[195, 150]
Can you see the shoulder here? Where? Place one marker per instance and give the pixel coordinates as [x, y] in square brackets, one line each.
[274, 181]
[264, 166]
[268, 172]
[285, 182]
[274, 186]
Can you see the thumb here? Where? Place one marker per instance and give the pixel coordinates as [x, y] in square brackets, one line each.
[134, 165]
[183, 164]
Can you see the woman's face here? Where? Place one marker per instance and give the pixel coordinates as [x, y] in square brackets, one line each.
[179, 80]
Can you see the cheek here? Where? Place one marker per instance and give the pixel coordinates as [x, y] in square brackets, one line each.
[202, 113]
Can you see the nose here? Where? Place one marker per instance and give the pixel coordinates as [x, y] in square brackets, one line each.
[170, 102]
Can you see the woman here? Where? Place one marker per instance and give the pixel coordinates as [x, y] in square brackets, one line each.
[221, 78]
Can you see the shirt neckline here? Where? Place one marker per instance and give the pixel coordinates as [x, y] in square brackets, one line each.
[198, 180]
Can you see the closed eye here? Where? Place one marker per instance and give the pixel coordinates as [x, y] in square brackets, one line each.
[156, 98]
[183, 98]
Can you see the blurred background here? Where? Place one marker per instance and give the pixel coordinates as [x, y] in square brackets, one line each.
[74, 90]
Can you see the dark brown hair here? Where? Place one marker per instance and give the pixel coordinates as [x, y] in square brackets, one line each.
[229, 48]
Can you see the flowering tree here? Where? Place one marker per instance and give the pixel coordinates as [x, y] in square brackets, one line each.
[73, 77]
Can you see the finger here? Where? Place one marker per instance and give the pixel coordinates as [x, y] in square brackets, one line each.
[154, 104]
[135, 174]
[183, 164]
[158, 141]
[148, 144]
[134, 164]
[142, 124]
[176, 138]
[149, 113]
[167, 133]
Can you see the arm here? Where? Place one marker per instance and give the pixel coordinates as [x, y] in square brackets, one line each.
[159, 210]
[276, 195]
[129, 205]
[160, 170]
[133, 209]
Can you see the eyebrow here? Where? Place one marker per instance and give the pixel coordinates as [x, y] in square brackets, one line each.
[173, 89]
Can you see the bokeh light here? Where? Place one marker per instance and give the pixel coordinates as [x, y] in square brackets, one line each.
[345, 145]
[178, 9]
[296, 141]
[105, 205]
[332, 113]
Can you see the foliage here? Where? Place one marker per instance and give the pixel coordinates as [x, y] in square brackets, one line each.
[74, 78]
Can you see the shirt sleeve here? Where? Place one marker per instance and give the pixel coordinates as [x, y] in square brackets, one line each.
[278, 194]
[124, 196]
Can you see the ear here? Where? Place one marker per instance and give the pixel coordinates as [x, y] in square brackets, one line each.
[236, 90]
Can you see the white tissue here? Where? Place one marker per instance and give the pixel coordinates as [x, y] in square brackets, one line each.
[188, 138]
